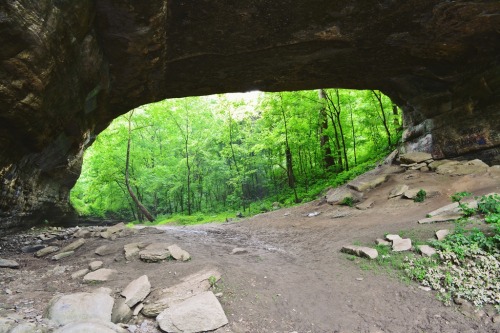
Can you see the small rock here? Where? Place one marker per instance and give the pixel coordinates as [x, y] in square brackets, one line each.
[398, 190]
[424, 169]
[82, 233]
[199, 313]
[441, 234]
[177, 253]
[218, 295]
[427, 250]
[136, 291]
[46, 251]
[418, 166]
[313, 214]
[458, 300]
[403, 244]
[95, 265]
[32, 248]
[415, 157]
[79, 274]
[496, 319]
[132, 250]
[360, 251]
[6, 263]
[380, 241]
[239, 250]
[155, 252]
[138, 308]
[104, 250]
[392, 237]
[452, 208]
[73, 246]
[359, 279]
[424, 288]
[121, 312]
[367, 204]
[61, 255]
[101, 275]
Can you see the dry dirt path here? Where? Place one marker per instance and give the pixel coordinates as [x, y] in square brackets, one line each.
[293, 277]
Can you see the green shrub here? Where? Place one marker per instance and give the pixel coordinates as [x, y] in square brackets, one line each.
[421, 195]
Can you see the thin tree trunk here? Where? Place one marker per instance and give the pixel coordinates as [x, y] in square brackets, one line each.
[139, 205]
[288, 155]
[324, 139]
[384, 118]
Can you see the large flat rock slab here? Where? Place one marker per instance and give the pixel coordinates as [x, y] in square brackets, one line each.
[199, 313]
[65, 309]
[137, 290]
[191, 285]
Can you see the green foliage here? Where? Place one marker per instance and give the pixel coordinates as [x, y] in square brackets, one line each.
[226, 153]
[421, 195]
[489, 204]
[457, 197]
[347, 201]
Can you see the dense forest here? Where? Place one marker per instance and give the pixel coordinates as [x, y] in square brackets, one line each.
[235, 152]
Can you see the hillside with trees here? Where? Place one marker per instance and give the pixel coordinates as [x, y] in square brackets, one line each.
[235, 152]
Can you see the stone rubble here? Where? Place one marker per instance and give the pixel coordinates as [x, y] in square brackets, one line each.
[360, 251]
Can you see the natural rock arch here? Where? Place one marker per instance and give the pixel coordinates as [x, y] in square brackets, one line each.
[69, 67]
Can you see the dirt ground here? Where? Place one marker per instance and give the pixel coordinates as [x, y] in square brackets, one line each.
[293, 278]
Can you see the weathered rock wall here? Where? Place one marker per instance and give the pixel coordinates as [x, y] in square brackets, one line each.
[67, 68]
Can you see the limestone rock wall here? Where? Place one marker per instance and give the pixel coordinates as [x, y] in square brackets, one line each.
[67, 68]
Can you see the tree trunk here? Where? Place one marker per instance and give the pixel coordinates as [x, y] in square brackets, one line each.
[383, 117]
[324, 139]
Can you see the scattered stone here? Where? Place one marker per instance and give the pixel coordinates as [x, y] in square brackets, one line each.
[136, 291]
[73, 246]
[91, 325]
[313, 214]
[452, 208]
[367, 204]
[340, 194]
[132, 250]
[424, 169]
[199, 313]
[360, 251]
[365, 182]
[418, 166]
[32, 248]
[458, 301]
[398, 190]
[65, 309]
[95, 265]
[190, 286]
[424, 288]
[46, 251]
[440, 218]
[496, 319]
[6, 263]
[219, 295]
[61, 255]
[441, 234]
[415, 157]
[403, 244]
[121, 312]
[104, 250]
[101, 275]
[380, 241]
[138, 309]
[177, 253]
[427, 250]
[155, 252]
[391, 237]
[239, 250]
[359, 279]
[79, 274]
[82, 233]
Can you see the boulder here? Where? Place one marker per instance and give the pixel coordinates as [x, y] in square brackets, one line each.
[340, 194]
[65, 309]
[101, 275]
[104, 250]
[398, 190]
[441, 234]
[445, 210]
[454, 168]
[82, 233]
[360, 251]
[191, 285]
[177, 253]
[415, 157]
[132, 250]
[199, 313]
[364, 182]
[136, 291]
[403, 244]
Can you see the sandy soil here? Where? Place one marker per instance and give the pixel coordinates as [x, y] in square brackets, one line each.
[293, 278]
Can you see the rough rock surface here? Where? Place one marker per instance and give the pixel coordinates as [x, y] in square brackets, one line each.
[136, 291]
[360, 251]
[80, 306]
[103, 274]
[199, 313]
[69, 67]
[177, 253]
[403, 244]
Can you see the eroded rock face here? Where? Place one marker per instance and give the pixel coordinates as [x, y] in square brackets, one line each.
[67, 68]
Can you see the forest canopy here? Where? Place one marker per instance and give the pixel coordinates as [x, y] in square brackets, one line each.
[233, 152]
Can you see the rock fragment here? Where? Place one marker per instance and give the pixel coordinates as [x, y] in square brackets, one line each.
[364, 182]
[121, 312]
[104, 250]
[398, 190]
[380, 241]
[6, 263]
[403, 244]
[46, 251]
[155, 252]
[427, 250]
[62, 255]
[239, 250]
[95, 265]
[199, 313]
[367, 204]
[101, 275]
[441, 234]
[177, 253]
[80, 273]
[360, 251]
[73, 246]
[392, 237]
[415, 157]
[136, 291]
[440, 218]
[132, 250]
